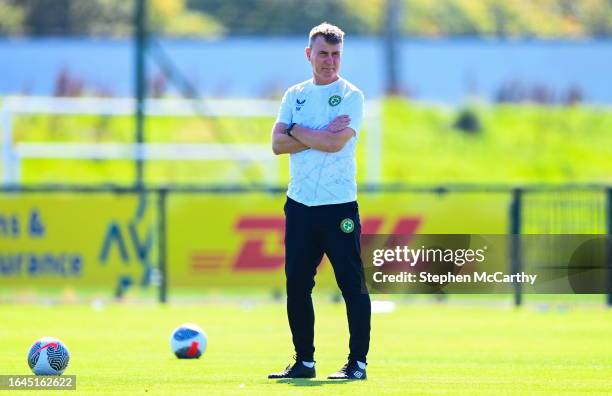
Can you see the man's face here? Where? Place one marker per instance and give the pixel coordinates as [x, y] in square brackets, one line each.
[325, 60]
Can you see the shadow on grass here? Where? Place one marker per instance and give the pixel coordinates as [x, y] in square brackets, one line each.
[310, 382]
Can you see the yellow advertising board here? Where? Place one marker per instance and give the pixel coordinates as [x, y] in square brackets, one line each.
[237, 239]
[212, 240]
[68, 239]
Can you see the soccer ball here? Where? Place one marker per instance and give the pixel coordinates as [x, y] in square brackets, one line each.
[188, 341]
[48, 356]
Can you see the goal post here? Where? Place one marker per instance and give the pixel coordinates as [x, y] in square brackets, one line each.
[241, 153]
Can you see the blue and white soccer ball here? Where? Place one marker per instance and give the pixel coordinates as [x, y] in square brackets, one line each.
[188, 341]
[48, 356]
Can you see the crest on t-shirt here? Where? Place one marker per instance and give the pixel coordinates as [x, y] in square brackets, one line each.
[335, 100]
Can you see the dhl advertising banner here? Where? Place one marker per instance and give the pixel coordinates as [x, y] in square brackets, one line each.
[212, 240]
[237, 239]
[76, 239]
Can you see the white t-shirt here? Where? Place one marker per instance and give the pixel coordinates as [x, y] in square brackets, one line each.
[319, 178]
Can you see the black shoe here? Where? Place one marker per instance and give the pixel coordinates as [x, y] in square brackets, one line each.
[350, 371]
[296, 370]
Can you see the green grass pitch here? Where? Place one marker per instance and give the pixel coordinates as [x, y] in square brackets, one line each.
[421, 349]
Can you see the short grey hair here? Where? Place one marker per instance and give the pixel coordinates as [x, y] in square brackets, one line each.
[331, 33]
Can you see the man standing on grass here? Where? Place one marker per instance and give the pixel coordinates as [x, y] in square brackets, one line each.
[318, 124]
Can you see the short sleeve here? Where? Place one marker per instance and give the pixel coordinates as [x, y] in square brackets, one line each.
[285, 113]
[354, 108]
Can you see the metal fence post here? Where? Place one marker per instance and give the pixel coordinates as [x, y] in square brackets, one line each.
[140, 88]
[161, 245]
[609, 245]
[515, 242]
[10, 159]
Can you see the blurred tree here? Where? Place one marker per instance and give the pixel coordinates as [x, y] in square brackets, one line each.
[290, 17]
[12, 19]
[506, 22]
[70, 17]
[597, 17]
[46, 17]
[101, 17]
[508, 18]
[454, 18]
[368, 13]
[201, 18]
[108, 18]
[171, 17]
